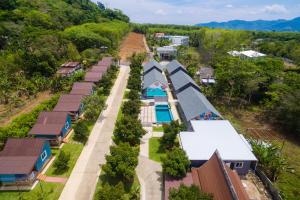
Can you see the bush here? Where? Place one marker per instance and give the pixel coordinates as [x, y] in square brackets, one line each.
[111, 192]
[170, 133]
[122, 162]
[188, 193]
[133, 95]
[94, 104]
[176, 163]
[81, 131]
[131, 108]
[61, 164]
[128, 129]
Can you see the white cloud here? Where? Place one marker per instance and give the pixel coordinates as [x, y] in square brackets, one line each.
[275, 9]
[161, 12]
[229, 6]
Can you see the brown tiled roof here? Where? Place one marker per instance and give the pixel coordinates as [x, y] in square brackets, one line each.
[99, 68]
[213, 177]
[175, 183]
[49, 123]
[17, 164]
[70, 64]
[83, 88]
[23, 147]
[106, 61]
[93, 77]
[68, 103]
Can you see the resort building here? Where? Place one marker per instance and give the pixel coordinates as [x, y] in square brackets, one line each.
[166, 52]
[22, 159]
[181, 81]
[209, 136]
[93, 77]
[83, 88]
[154, 84]
[174, 66]
[106, 61]
[153, 64]
[178, 40]
[213, 177]
[247, 54]
[71, 103]
[206, 75]
[68, 68]
[52, 126]
[195, 106]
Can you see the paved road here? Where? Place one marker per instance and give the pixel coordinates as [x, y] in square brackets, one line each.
[149, 172]
[82, 183]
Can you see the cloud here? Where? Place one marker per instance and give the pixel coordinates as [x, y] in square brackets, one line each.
[161, 12]
[229, 6]
[275, 9]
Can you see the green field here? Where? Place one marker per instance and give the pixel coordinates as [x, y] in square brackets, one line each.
[155, 152]
[157, 129]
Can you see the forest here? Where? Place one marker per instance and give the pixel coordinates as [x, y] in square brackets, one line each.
[37, 36]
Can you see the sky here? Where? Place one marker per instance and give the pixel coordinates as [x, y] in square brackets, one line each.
[199, 11]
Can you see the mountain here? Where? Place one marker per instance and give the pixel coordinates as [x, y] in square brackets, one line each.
[260, 25]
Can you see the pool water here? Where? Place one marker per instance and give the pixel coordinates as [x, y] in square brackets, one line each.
[163, 114]
[156, 92]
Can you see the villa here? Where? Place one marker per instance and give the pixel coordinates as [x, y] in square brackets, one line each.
[22, 159]
[69, 68]
[94, 77]
[166, 52]
[154, 84]
[83, 88]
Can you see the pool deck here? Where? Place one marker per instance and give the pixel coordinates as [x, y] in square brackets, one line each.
[173, 103]
[147, 115]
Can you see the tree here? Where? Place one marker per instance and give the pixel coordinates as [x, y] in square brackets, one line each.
[131, 108]
[176, 163]
[121, 162]
[61, 164]
[8, 4]
[188, 193]
[133, 95]
[94, 104]
[130, 130]
[100, 5]
[170, 133]
[111, 192]
[81, 131]
[72, 52]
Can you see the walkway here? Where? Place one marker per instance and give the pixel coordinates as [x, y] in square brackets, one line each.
[82, 182]
[149, 171]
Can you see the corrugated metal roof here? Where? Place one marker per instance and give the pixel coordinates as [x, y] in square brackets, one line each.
[215, 178]
[107, 61]
[49, 123]
[83, 88]
[211, 135]
[152, 64]
[17, 164]
[194, 103]
[99, 68]
[94, 77]
[152, 77]
[69, 103]
[70, 64]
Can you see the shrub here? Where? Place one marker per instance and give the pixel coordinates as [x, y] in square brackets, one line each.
[81, 131]
[176, 163]
[122, 162]
[61, 164]
[131, 108]
[170, 133]
[111, 192]
[94, 104]
[188, 193]
[133, 95]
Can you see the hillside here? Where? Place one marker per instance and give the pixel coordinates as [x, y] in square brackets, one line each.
[260, 25]
[37, 36]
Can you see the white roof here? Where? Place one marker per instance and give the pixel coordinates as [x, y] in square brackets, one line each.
[215, 134]
[234, 53]
[252, 54]
[166, 48]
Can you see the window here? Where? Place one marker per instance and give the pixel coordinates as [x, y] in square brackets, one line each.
[44, 155]
[67, 125]
[238, 165]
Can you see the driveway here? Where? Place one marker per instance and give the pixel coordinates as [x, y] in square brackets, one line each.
[81, 184]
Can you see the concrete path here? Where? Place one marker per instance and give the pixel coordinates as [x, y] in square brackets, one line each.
[82, 182]
[149, 172]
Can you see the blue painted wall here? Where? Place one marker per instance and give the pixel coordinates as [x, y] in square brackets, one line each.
[40, 163]
[67, 126]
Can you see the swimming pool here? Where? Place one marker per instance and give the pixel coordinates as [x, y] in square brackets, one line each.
[155, 92]
[163, 114]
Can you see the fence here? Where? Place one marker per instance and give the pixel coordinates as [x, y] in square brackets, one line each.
[268, 184]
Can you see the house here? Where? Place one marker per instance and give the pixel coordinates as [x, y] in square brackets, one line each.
[206, 75]
[69, 68]
[83, 88]
[22, 159]
[99, 68]
[154, 84]
[178, 40]
[106, 61]
[181, 80]
[174, 66]
[94, 77]
[247, 54]
[213, 177]
[208, 136]
[71, 103]
[166, 52]
[153, 64]
[159, 35]
[52, 126]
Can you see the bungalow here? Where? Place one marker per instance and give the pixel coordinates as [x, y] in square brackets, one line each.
[195, 106]
[52, 126]
[174, 66]
[68, 68]
[99, 68]
[22, 159]
[178, 40]
[94, 77]
[153, 64]
[107, 61]
[166, 52]
[181, 80]
[215, 178]
[154, 84]
[209, 136]
[206, 75]
[71, 103]
[83, 88]
[247, 54]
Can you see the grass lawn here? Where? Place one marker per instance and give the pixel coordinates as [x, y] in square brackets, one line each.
[289, 182]
[157, 129]
[126, 94]
[155, 152]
